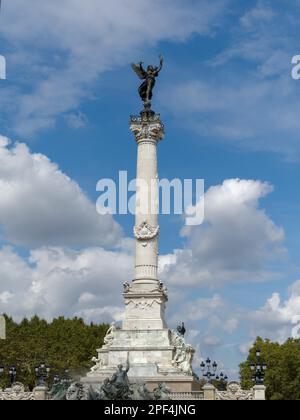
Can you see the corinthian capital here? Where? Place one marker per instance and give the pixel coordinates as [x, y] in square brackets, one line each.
[147, 128]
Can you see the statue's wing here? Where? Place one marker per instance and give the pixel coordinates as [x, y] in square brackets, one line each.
[137, 69]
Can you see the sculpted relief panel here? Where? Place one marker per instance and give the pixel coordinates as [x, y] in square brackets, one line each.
[235, 393]
[184, 353]
[16, 393]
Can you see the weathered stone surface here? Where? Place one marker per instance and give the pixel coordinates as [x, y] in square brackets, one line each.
[234, 392]
[259, 392]
[16, 393]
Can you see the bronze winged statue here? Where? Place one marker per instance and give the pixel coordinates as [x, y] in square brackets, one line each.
[149, 76]
[181, 329]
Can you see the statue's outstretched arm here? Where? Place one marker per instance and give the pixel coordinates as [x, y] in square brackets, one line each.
[127, 364]
[160, 64]
[141, 67]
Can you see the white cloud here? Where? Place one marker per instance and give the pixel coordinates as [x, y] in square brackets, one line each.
[259, 13]
[204, 308]
[40, 205]
[77, 120]
[245, 347]
[212, 341]
[209, 321]
[236, 243]
[231, 325]
[56, 281]
[254, 37]
[247, 112]
[14, 272]
[110, 313]
[85, 39]
[5, 297]
[277, 319]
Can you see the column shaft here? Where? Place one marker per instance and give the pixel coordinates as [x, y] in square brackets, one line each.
[146, 297]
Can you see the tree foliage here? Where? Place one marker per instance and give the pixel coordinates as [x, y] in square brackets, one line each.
[62, 343]
[283, 375]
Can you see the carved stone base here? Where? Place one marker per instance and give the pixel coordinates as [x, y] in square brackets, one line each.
[153, 353]
[145, 311]
[150, 354]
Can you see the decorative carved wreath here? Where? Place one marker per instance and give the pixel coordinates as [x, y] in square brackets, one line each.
[145, 232]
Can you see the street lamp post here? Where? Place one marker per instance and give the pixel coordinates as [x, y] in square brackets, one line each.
[65, 380]
[12, 374]
[60, 384]
[258, 369]
[223, 381]
[42, 373]
[208, 370]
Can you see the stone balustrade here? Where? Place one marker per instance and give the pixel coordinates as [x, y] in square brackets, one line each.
[234, 392]
[187, 396]
[18, 392]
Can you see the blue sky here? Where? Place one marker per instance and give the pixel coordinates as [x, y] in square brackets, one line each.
[231, 110]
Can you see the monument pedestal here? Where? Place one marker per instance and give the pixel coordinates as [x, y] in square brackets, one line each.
[145, 311]
[150, 354]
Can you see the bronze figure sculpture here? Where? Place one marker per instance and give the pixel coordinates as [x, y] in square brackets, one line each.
[181, 330]
[149, 76]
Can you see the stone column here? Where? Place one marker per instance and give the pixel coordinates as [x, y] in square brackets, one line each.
[209, 392]
[259, 393]
[148, 131]
[145, 298]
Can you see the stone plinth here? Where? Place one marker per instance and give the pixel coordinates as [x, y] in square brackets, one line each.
[209, 392]
[259, 393]
[145, 310]
[40, 393]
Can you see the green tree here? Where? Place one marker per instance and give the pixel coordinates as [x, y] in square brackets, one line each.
[283, 374]
[62, 343]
